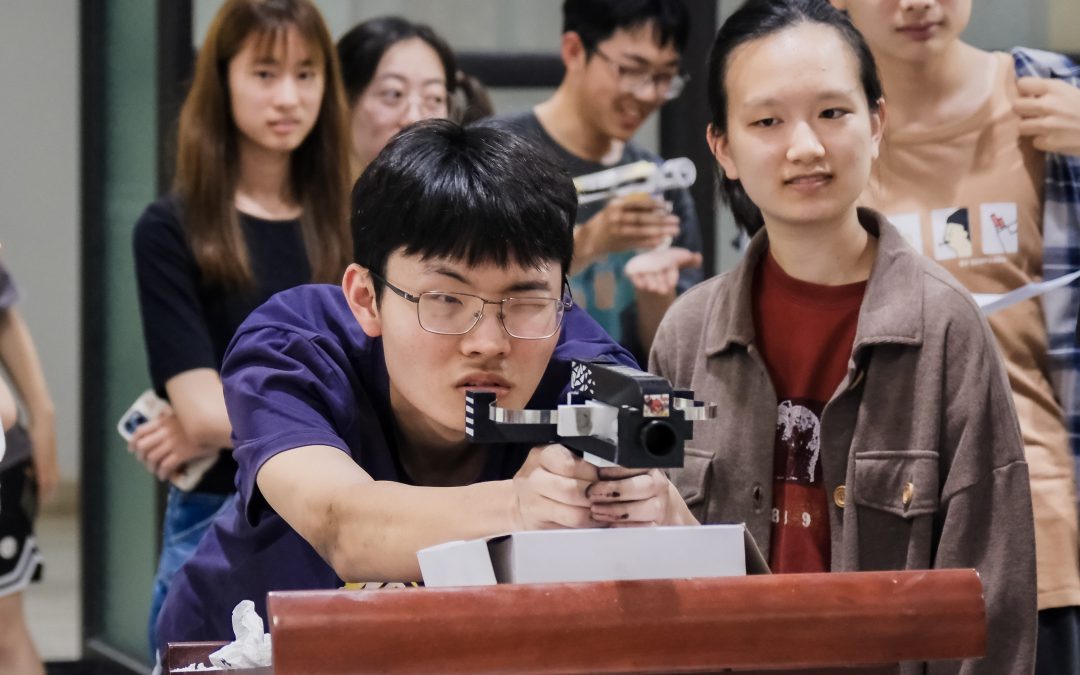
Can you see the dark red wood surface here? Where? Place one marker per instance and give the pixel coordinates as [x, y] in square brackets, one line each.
[691, 625]
[180, 655]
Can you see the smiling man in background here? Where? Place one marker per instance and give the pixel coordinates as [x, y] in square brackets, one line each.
[622, 60]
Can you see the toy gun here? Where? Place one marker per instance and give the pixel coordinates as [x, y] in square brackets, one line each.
[614, 415]
[642, 177]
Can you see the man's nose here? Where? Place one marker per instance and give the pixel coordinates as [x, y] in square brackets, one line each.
[487, 337]
[649, 91]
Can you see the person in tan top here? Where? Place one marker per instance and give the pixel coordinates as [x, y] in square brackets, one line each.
[961, 175]
[865, 421]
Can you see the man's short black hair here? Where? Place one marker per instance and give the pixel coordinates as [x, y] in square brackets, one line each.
[480, 194]
[596, 20]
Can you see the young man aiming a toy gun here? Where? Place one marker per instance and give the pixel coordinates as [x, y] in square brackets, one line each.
[348, 403]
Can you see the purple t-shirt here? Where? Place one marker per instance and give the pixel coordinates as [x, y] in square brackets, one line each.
[300, 371]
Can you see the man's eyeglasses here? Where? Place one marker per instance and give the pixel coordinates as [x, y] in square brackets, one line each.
[447, 313]
[633, 79]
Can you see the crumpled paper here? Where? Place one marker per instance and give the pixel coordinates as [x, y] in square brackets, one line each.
[251, 649]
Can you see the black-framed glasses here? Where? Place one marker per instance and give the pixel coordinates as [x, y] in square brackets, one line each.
[448, 313]
[633, 78]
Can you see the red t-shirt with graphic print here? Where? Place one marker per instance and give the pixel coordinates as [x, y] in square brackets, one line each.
[805, 333]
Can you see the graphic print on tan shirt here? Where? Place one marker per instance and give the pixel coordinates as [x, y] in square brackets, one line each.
[969, 196]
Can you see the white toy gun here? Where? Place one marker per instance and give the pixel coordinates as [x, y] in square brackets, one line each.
[642, 177]
[614, 415]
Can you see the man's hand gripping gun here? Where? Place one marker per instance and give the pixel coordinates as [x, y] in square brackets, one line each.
[614, 416]
[639, 178]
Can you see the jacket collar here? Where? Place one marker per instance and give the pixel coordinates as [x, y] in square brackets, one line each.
[891, 311]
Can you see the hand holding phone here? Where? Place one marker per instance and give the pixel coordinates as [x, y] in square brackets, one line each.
[148, 407]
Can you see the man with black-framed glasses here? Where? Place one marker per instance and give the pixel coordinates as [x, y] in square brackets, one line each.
[623, 61]
[348, 402]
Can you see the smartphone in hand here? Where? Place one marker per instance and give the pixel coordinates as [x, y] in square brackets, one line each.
[148, 406]
[145, 408]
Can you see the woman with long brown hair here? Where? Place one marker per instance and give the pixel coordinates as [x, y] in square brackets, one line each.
[259, 204]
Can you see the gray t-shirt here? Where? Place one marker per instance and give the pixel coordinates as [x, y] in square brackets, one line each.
[602, 288]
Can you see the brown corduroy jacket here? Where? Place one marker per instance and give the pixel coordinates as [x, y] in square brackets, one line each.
[920, 447]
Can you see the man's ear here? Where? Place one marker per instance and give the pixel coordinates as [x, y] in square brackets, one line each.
[572, 51]
[360, 294]
[718, 144]
[839, 4]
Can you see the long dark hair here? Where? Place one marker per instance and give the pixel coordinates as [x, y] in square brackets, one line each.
[207, 163]
[757, 19]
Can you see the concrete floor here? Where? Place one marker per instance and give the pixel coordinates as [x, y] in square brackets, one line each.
[53, 606]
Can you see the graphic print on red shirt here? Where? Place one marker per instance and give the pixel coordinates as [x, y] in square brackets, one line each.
[805, 333]
[800, 514]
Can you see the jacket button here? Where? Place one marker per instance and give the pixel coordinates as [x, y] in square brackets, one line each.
[757, 496]
[908, 494]
[839, 496]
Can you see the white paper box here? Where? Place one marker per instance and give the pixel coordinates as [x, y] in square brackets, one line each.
[544, 556]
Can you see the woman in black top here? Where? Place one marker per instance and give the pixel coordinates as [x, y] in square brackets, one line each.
[259, 204]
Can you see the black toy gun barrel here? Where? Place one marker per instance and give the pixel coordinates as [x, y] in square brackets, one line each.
[615, 415]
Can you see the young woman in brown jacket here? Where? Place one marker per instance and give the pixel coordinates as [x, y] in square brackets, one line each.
[867, 422]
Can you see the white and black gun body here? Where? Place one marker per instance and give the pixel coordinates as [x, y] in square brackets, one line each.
[641, 177]
[614, 415]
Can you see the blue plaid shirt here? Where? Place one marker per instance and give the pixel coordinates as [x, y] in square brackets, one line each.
[1061, 249]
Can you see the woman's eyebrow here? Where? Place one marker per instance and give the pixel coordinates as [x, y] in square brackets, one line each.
[828, 94]
[403, 79]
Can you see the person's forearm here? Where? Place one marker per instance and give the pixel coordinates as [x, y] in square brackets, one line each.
[374, 529]
[8, 410]
[651, 308]
[20, 358]
[197, 398]
[211, 432]
[584, 250]
[679, 511]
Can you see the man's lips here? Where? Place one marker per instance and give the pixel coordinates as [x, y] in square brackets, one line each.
[484, 382]
[631, 116]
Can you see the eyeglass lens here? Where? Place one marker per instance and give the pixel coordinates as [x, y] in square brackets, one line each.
[457, 313]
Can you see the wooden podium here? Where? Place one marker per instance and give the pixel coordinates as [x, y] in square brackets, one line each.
[768, 622]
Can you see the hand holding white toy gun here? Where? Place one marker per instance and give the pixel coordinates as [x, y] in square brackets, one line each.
[639, 178]
[636, 218]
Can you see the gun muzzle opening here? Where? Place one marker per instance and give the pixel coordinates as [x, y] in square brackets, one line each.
[658, 438]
